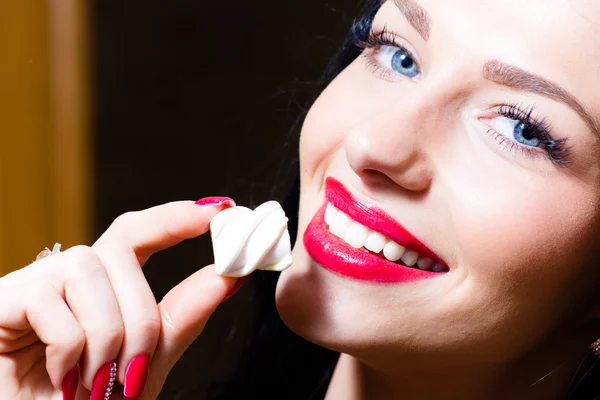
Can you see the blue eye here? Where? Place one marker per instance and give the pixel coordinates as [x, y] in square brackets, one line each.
[517, 129]
[396, 59]
[524, 135]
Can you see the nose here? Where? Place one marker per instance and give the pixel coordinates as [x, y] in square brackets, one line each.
[393, 146]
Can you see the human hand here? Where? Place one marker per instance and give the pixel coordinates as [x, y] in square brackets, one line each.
[66, 318]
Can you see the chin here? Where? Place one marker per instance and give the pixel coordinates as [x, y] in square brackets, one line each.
[303, 299]
[300, 297]
[304, 302]
[319, 305]
[308, 302]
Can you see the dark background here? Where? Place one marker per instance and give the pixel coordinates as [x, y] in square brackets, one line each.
[195, 98]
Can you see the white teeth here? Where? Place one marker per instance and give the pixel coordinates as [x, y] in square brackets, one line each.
[339, 224]
[393, 251]
[356, 234]
[425, 263]
[375, 242]
[410, 258]
[330, 212]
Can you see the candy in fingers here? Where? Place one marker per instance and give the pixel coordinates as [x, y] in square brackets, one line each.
[245, 240]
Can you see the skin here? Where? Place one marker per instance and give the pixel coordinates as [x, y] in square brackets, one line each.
[517, 231]
[92, 305]
[513, 317]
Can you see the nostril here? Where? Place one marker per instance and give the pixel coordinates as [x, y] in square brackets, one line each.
[382, 159]
[375, 177]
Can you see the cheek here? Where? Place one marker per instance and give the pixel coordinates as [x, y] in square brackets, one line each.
[337, 110]
[322, 132]
[515, 222]
[520, 238]
[525, 250]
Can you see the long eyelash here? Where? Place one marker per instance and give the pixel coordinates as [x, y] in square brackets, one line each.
[372, 40]
[557, 150]
[364, 37]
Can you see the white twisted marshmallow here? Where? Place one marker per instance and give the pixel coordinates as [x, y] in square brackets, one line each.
[245, 240]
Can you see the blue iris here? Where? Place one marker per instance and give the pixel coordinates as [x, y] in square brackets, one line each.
[403, 63]
[524, 136]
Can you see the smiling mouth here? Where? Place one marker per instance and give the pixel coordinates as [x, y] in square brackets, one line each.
[362, 238]
[358, 240]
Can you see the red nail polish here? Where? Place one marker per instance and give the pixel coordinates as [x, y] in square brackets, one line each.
[104, 381]
[70, 383]
[236, 286]
[135, 377]
[216, 201]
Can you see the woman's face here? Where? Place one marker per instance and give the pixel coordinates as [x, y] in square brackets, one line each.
[473, 125]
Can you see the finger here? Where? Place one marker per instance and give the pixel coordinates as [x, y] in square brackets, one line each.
[90, 296]
[35, 320]
[79, 277]
[30, 372]
[184, 312]
[13, 340]
[126, 246]
[55, 325]
[19, 363]
[149, 231]
[188, 306]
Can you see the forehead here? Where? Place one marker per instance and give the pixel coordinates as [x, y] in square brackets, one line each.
[581, 12]
[535, 22]
[564, 20]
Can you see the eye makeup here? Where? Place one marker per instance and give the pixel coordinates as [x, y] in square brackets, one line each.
[388, 59]
[530, 136]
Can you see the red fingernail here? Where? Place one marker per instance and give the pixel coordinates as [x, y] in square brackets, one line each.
[104, 381]
[135, 377]
[216, 201]
[70, 383]
[236, 286]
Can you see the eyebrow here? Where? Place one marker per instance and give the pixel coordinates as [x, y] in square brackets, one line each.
[504, 74]
[416, 16]
[516, 78]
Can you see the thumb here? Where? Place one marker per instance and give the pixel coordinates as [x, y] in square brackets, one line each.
[184, 312]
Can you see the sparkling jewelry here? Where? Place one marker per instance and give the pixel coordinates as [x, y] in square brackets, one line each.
[47, 252]
[111, 381]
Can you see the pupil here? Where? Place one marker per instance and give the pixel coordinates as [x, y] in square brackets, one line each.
[525, 133]
[404, 64]
[407, 62]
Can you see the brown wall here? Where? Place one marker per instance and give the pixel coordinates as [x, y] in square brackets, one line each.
[44, 156]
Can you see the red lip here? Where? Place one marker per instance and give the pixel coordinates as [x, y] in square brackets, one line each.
[339, 257]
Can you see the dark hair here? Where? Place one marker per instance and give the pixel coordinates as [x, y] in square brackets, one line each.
[278, 363]
[346, 53]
